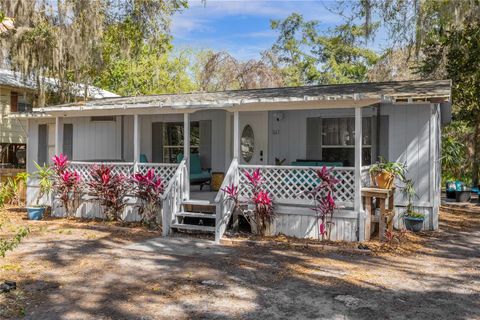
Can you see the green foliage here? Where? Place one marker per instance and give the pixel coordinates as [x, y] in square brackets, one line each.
[44, 175]
[454, 54]
[308, 56]
[456, 152]
[147, 73]
[398, 169]
[8, 244]
[409, 192]
[87, 41]
[414, 214]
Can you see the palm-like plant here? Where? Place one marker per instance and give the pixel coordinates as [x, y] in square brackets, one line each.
[44, 174]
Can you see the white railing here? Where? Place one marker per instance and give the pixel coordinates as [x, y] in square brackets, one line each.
[365, 176]
[224, 206]
[164, 170]
[85, 168]
[173, 196]
[291, 184]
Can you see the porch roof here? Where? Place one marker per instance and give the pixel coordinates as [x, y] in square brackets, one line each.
[339, 95]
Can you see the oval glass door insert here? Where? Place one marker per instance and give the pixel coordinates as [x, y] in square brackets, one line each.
[247, 144]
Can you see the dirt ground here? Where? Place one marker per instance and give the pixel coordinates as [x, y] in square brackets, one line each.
[67, 269]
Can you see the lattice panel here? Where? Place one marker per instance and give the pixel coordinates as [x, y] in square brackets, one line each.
[294, 184]
[84, 169]
[166, 171]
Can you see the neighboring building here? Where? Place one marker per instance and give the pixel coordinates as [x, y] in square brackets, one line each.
[285, 132]
[18, 95]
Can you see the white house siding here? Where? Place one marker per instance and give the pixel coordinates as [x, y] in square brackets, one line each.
[96, 140]
[301, 222]
[10, 129]
[413, 138]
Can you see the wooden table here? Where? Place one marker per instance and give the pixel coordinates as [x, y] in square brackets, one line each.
[385, 220]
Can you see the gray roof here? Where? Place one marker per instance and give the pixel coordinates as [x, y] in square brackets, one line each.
[387, 90]
[14, 79]
[344, 94]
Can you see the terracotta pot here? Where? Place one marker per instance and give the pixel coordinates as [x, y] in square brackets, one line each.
[383, 180]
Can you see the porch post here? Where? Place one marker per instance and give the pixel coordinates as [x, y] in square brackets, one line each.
[136, 138]
[358, 174]
[236, 135]
[186, 152]
[58, 135]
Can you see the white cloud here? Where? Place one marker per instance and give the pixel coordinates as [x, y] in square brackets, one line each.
[203, 18]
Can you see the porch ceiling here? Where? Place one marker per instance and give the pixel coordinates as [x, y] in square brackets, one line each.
[325, 96]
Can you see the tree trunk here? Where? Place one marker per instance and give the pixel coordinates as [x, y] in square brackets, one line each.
[476, 151]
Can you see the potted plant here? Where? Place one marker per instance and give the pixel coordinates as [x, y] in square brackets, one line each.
[43, 174]
[383, 173]
[413, 220]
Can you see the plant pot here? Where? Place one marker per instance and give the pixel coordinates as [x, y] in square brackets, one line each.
[35, 213]
[383, 180]
[413, 224]
[462, 196]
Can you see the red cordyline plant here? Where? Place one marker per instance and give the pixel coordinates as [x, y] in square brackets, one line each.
[66, 184]
[109, 189]
[263, 213]
[324, 200]
[149, 188]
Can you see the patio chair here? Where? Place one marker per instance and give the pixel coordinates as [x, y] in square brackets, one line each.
[301, 180]
[143, 158]
[198, 176]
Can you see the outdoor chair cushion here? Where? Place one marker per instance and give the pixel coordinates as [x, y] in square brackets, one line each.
[196, 172]
[199, 177]
[316, 164]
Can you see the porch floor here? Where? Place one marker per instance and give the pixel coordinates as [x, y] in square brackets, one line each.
[205, 195]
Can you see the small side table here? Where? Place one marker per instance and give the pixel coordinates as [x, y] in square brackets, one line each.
[217, 180]
[385, 220]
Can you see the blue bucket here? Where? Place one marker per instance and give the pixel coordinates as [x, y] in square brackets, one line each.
[35, 213]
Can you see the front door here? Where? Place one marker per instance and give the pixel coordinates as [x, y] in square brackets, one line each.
[254, 137]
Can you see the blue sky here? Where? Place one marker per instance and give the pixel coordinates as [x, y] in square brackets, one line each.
[242, 27]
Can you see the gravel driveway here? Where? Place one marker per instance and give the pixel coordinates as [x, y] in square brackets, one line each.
[71, 270]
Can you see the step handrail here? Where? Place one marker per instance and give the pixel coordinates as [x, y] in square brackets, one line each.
[224, 207]
[173, 196]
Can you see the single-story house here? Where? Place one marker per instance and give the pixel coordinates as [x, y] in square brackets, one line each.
[17, 94]
[283, 131]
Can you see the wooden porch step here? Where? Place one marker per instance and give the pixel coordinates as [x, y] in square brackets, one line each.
[196, 215]
[193, 227]
[198, 202]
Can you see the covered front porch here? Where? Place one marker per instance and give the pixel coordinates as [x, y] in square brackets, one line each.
[286, 145]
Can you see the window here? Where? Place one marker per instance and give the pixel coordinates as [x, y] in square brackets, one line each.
[24, 105]
[333, 140]
[173, 140]
[13, 101]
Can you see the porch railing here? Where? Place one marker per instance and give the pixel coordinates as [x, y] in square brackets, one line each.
[225, 207]
[165, 170]
[173, 196]
[291, 184]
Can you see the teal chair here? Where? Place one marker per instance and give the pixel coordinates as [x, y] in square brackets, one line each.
[301, 180]
[197, 174]
[143, 158]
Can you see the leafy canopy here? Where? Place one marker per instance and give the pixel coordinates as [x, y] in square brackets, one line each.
[309, 56]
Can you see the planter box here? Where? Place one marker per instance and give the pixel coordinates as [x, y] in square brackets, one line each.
[462, 196]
